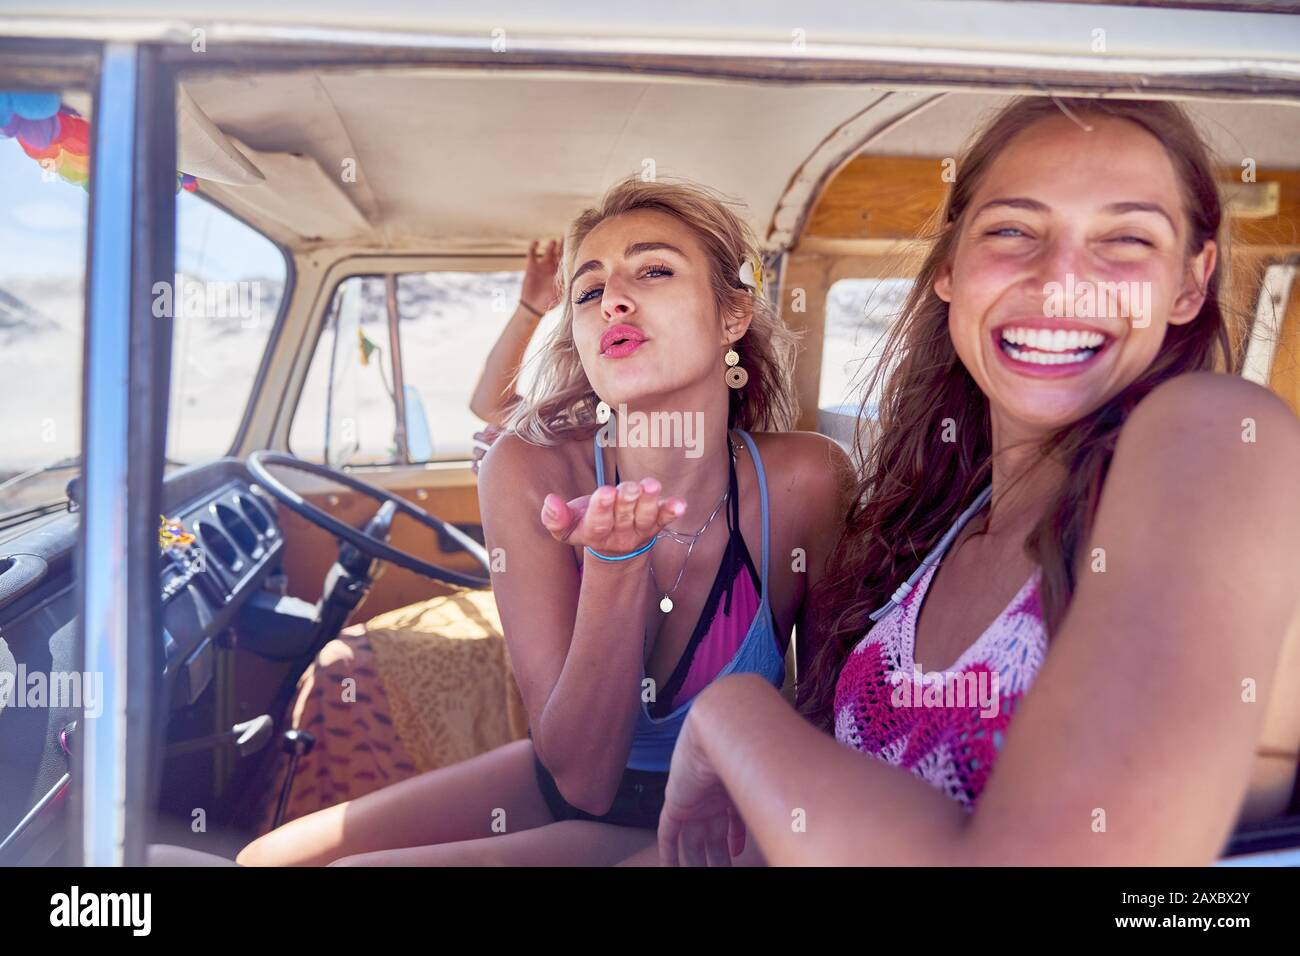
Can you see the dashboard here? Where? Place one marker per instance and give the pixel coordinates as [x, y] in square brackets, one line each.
[235, 557]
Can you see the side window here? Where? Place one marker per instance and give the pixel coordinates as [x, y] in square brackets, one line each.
[346, 413]
[858, 314]
[447, 324]
[450, 321]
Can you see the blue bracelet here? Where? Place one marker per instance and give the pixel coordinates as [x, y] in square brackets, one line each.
[624, 557]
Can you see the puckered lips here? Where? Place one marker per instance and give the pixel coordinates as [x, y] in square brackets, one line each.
[1049, 347]
[620, 341]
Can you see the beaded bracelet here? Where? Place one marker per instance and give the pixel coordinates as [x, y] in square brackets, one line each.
[624, 557]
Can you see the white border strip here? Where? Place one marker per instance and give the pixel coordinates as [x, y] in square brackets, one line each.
[1270, 311]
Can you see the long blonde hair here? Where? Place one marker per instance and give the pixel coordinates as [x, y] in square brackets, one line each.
[913, 487]
[562, 403]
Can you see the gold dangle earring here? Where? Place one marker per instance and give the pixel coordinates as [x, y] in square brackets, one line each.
[735, 377]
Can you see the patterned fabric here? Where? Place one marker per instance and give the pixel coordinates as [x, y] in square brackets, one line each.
[447, 673]
[408, 691]
[356, 749]
[946, 727]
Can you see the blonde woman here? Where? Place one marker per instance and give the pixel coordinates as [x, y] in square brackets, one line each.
[657, 526]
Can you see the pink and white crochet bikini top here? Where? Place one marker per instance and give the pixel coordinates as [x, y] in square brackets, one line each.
[946, 727]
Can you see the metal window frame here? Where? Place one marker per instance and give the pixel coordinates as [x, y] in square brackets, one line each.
[125, 384]
[399, 377]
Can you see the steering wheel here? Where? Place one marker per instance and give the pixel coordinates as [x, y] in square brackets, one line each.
[371, 547]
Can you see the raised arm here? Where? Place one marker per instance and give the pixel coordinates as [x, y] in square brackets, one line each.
[1135, 744]
[495, 394]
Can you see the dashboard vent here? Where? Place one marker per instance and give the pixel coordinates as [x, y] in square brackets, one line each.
[239, 529]
[255, 515]
[218, 546]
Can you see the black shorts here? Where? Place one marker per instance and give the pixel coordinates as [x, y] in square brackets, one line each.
[639, 799]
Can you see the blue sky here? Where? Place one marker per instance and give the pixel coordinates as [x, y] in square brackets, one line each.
[43, 229]
[42, 224]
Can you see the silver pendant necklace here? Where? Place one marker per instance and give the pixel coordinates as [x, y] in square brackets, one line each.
[666, 602]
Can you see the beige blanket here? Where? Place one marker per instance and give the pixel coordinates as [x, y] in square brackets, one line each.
[444, 666]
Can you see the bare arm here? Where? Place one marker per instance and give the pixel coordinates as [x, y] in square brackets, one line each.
[576, 644]
[495, 392]
[1134, 745]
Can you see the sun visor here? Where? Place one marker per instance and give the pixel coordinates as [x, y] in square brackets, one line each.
[295, 195]
[204, 151]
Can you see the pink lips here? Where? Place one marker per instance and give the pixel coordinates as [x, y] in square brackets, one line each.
[621, 341]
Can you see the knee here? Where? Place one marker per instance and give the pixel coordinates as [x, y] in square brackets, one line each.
[254, 854]
[377, 858]
[270, 849]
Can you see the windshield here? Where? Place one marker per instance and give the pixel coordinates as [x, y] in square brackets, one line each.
[43, 218]
[223, 302]
[229, 285]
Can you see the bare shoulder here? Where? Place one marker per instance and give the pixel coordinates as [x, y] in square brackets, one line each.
[1216, 422]
[513, 468]
[811, 481]
[805, 462]
[1211, 461]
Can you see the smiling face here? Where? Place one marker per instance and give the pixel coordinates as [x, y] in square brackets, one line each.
[645, 321]
[1070, 262]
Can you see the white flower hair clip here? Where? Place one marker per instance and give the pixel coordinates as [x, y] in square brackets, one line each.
[751, 275]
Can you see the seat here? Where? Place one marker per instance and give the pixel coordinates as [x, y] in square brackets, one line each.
[408, 691]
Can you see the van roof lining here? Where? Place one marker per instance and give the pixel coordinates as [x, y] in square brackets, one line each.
[356, 156]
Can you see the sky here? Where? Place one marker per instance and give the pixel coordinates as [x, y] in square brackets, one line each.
[43, 243]
[43, 229]
[42, 224]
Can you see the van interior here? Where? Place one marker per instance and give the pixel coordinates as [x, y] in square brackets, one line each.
[377, 214]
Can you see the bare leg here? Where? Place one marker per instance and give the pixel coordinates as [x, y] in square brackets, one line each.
[567, 843]
[750, 856]
[450, 804]
[165, 854]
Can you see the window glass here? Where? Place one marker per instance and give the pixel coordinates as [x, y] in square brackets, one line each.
[345, 415]
[858, 314]
[44, 212]
[448, 323]
[223, 304]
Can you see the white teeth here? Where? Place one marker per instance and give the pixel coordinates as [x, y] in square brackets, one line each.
[1049, 358]
[1053, 340]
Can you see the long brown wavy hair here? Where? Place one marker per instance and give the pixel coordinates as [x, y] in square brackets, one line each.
[912, 487]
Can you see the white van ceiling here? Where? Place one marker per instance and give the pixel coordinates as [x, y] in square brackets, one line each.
[446, 161]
